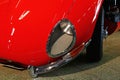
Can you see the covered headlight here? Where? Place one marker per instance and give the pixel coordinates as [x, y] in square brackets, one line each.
[61, 39]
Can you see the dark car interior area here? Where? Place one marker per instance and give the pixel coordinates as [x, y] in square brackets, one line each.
[112, 8]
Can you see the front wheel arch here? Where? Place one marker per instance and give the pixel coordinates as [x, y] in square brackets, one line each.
[94, 51]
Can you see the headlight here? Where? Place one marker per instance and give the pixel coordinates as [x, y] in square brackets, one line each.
[61, 39]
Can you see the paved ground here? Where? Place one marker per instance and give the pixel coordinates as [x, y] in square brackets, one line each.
[107, 69]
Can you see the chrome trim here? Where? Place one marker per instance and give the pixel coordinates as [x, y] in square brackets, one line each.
[35, 71]
[69, 48]
[105, 33]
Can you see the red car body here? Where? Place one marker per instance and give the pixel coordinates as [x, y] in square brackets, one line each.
[25, 26]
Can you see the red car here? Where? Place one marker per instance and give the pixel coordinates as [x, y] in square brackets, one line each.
[44, 35]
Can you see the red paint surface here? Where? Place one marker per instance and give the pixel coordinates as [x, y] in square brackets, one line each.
[119, 25]
[25, 26]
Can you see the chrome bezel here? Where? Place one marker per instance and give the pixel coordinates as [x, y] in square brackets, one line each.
[66, 50]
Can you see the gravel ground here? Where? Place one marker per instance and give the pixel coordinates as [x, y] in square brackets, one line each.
[107, 69]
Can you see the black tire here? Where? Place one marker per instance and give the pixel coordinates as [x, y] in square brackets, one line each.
[94, 51]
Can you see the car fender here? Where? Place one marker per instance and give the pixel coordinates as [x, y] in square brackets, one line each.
[26, 26]
[84, 15]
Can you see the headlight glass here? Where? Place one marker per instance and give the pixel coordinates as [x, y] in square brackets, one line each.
[61, 39]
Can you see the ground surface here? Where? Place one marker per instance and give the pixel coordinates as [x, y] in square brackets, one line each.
[107, 69]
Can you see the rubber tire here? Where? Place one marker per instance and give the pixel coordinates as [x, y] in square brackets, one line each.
[94, 51]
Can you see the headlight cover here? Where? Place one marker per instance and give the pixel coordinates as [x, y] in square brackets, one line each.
[61, 39]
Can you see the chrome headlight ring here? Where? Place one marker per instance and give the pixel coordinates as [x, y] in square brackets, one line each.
[62, 39]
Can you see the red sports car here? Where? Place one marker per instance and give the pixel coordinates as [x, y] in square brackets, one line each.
[46, 34]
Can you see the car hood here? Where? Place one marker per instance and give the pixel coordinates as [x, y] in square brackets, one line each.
[25, 26]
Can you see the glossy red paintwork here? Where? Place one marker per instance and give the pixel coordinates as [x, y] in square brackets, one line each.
[84, 16]
[119, 25]
[26, 24]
